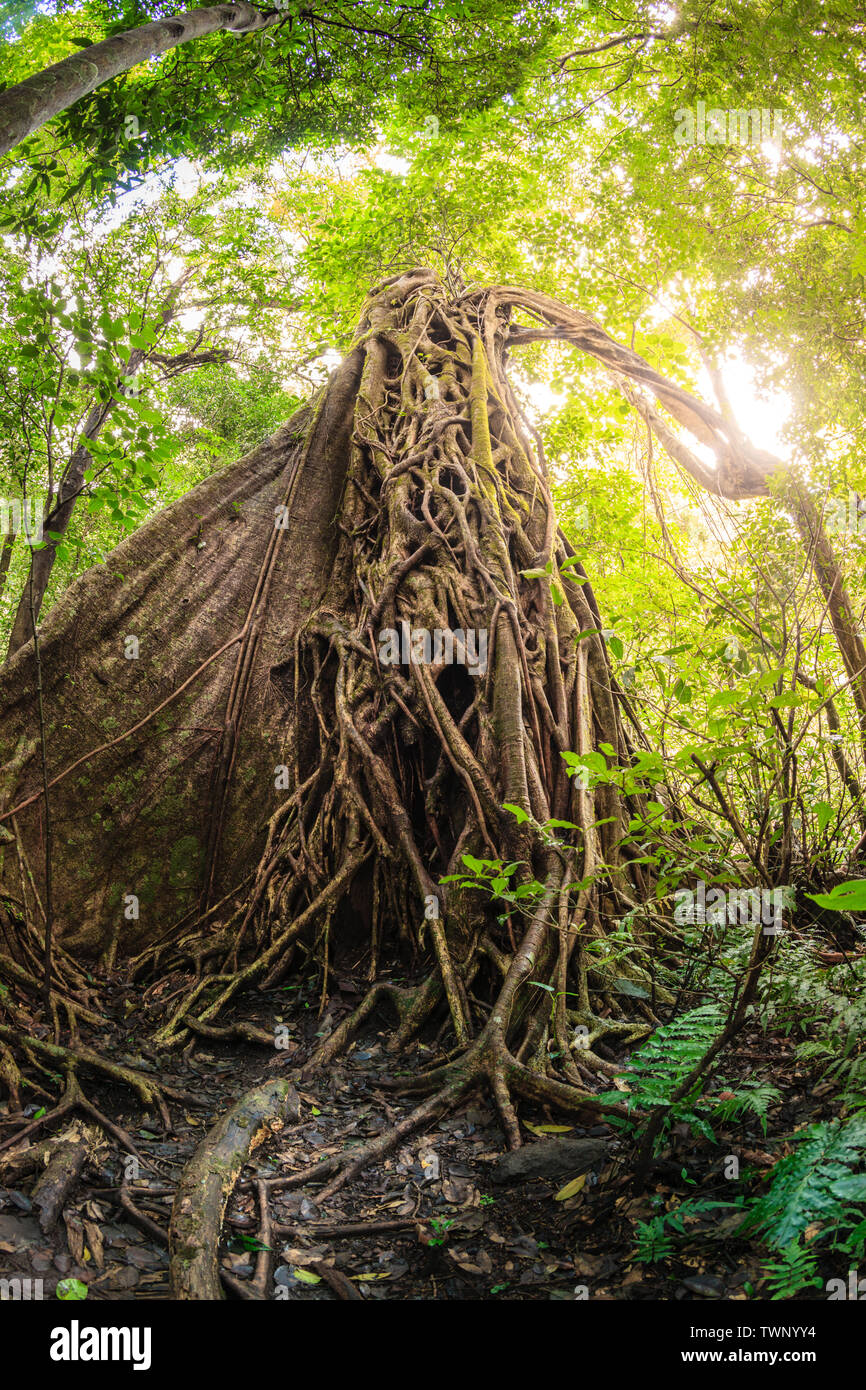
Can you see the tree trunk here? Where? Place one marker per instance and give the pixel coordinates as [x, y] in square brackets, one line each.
[28, 105]
[361, 654]
[59, 510]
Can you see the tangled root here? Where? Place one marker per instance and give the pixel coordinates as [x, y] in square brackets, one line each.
[447, 525]
[409, 759]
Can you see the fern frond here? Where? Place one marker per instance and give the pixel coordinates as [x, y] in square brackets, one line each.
[655, 1238]
[757, 1098]
[796, 1269]
[814, 1183]
[662, 1063]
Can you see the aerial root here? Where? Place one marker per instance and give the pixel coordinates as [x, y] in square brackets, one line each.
[433, 1108]
[176, 1030]
[233, 1032]
[140, 1218]
[486, 1062]
[73, 1001]
[73, 1098]
[209, 1178]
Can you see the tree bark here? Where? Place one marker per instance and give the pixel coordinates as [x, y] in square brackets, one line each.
[28, 105]
[208, 1181]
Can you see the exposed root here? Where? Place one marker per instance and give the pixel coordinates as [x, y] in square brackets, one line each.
[402, 755]
[344, 1230]
[413, 1007]
[73, 1098]
[140, 1218]
[405, 757]
[207, 1182]
[60, 1176]
[342, 1287]
[69, 1059]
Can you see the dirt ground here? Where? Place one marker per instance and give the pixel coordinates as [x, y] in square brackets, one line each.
[438, 1223]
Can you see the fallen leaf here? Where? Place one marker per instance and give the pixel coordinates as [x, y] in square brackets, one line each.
[571, 1189]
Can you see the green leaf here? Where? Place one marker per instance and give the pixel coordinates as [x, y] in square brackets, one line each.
[825, 813]
[477, 866]
[723, 699]
[846, 897]
[71, 1289]
[634, 991]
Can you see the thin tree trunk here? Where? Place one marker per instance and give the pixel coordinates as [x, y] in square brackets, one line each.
[28, 105]
[58, 516]
[840, 608]
[6, 557]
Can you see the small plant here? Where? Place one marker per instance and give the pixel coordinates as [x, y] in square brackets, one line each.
[756, 1099]
[251, 1243]
[71, 1289]
[494, 877]
[441, 1225]
[655, 1238]
[794, 1270]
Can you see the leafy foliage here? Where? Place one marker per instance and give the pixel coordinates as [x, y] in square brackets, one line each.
[662, 1063]
[656, 1238]
[755, 1099]
[817, 1182]
[795, 1269]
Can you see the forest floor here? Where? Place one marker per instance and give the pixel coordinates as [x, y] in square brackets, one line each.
[441, 1222]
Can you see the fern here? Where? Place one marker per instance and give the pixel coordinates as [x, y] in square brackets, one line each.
[828, 1009]
[814, 1183]
[795, 1269]
[655, 1238]
[663, 1062]
[756, 1098]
